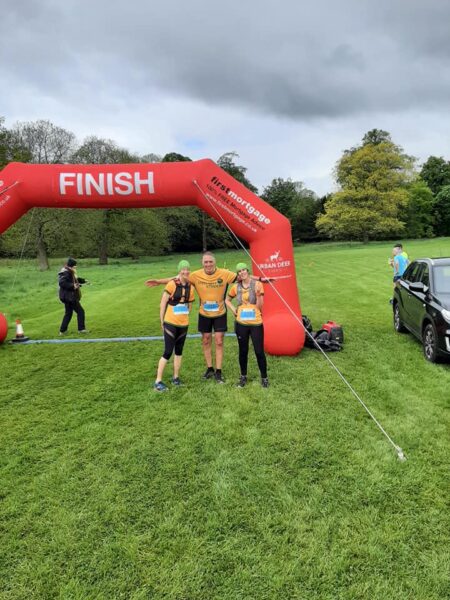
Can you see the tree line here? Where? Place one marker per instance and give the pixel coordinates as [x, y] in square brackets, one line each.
[381, 194]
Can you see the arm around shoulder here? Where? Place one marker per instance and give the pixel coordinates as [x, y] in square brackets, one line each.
[155, 282]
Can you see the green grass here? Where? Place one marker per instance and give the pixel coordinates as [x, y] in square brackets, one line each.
[109, 490]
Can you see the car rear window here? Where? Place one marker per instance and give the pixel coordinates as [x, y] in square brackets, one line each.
[441, 276]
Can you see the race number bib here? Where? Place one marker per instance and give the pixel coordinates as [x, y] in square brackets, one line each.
[180, 309]
[248, 314]
[211, 307]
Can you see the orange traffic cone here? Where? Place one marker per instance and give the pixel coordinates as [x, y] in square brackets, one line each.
[20, 335]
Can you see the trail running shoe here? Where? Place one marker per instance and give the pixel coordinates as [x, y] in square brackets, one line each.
[176, 381]
[242, 381]
[218, 376]
[159, 386]
[208, 374]
[265, 382]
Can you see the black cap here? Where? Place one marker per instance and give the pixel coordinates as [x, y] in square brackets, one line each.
[71, 262]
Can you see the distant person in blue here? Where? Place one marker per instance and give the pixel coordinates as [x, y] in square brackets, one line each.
[400, 262]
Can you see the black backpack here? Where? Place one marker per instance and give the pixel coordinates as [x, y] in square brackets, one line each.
[326, 343]
[329, 338]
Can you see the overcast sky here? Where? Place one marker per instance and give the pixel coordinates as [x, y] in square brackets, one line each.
[288, 84]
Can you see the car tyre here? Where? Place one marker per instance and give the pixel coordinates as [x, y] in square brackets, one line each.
[430, 343]
[398, 323]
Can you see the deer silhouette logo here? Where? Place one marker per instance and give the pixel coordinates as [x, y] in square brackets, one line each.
[275, 255]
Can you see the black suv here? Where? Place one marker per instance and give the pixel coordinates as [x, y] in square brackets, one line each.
[422, 305]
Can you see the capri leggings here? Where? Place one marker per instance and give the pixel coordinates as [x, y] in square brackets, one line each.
[244, 333]
[174, 338]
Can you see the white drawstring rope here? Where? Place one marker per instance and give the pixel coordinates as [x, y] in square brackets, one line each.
[235, 238]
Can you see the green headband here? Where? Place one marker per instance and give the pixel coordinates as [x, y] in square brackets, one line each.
[241, 266]
[183, 264]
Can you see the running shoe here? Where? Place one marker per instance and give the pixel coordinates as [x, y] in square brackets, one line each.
[83, 331]
[159, 386]
[218, 376]
[242, 381]
[265, 382]
[208, 374]
[176, 381]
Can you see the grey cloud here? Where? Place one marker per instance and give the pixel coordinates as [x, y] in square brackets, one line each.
[289, 58]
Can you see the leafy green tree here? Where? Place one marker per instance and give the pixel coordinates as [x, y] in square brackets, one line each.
[228, 164]
[46, 142]
[436, 173]
[373, 197]
[150, 158]
[11, 150]
[419, 211]
[299, 204]
[175, 157]
[376, 136]
[97, 151]
[282, 195]
[304, 216]
[442, 211]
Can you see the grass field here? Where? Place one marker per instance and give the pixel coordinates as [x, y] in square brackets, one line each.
[109, 490]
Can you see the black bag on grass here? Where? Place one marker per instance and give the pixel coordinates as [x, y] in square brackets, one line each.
[326, 343]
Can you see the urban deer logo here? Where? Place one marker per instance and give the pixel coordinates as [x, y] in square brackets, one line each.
[275, 261]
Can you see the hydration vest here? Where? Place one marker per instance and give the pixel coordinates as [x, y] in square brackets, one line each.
[178, 297]
[251, 292]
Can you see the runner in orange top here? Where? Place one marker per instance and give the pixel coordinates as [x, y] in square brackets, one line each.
[176, 303]
[249, 295]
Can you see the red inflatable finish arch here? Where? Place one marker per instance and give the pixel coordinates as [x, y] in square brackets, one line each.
[202, 184]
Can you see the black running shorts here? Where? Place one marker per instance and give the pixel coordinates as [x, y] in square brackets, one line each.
[208, 324]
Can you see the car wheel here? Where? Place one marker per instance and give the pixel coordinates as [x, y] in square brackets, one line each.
[398, 324]
[429, 342]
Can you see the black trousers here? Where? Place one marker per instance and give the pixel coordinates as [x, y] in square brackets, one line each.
[72, 307]
[174, 338]
[244, 333]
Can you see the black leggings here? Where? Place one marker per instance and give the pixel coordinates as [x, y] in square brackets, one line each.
[244, 333]
[174, 338]
[72, 307]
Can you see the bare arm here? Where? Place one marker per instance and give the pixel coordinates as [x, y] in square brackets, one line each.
[162, 307]
[154, 282]
[259, 302]
[262, 279]
[395, 267]
[230, 305]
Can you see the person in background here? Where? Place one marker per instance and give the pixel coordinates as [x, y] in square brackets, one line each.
[175, 306]
[70, 295]
[249, 296]
[399, 263]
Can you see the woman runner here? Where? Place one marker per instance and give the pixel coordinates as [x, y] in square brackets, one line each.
[250, 298]
[176, 304]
